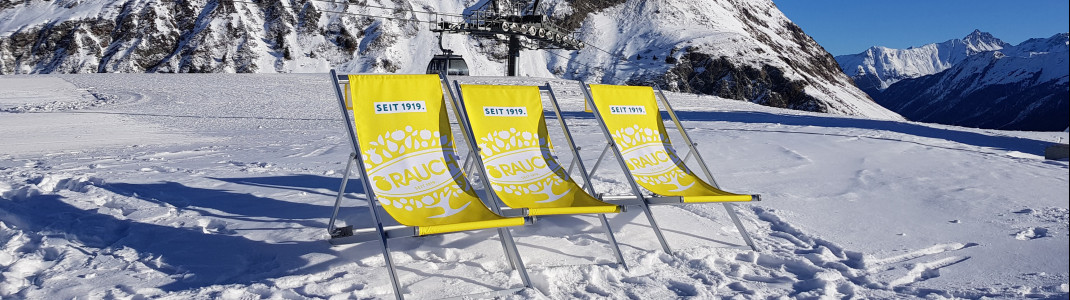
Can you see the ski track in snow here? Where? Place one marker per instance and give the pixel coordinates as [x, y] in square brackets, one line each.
[234, 205]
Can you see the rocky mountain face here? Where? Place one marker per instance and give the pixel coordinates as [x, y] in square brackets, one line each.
[1023, 87]
[185, 36]
[878, 67]
[739, 49]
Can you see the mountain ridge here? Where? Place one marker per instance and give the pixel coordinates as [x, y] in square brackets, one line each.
[1020, 87]
[738, 49]
[878, 67]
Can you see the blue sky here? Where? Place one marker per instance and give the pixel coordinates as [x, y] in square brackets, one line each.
[848, 26]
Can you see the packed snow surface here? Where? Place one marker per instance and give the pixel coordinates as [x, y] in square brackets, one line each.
[220, 186]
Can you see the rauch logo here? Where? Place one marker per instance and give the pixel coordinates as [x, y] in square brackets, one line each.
[413, 174]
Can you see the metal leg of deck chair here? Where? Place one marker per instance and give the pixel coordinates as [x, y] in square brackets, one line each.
[341, 192]
[382, 237]
[623, 166]
[390, 267]
[355, 158]
[657, 230]
[596, 164]
[577, 160]
[468, 163]
[506, 237]
[613, 241]
[739, 226]
[688, 156]
[505, 247]
[379, 228]
[514, 255]
[571, 166]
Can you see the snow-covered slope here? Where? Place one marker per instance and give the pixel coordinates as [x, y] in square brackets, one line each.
[1024, 87]
[879, 67]
[220, 186]
[738, 49]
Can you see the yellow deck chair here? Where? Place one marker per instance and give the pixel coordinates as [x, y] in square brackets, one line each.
[630, 118]
[404, 152]
[508, 128]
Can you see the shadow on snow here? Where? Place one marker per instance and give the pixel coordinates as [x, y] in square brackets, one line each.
[195, 258]
[192, 256]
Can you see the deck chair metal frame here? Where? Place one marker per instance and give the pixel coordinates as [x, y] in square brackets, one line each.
[646, 202]
[460, 109]
[347, 235]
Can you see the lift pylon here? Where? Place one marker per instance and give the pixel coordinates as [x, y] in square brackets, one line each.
[513, 22]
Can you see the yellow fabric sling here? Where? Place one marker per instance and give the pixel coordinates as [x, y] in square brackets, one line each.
[408, 153]
[634, 121]
[510, 129]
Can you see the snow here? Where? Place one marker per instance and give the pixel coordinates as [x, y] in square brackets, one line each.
[57, 118]
[1021, 64]
[890, 65]
[220, 185]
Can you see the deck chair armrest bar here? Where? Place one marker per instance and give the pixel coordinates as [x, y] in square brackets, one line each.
[680, 200]
[350, 236]
[623, 201]
[665, 200]
[655, 200]
[514, 212]
[369, 234]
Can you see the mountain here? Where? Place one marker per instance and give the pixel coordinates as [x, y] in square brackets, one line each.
[879, 67]
[739, 49]
[1024, 87]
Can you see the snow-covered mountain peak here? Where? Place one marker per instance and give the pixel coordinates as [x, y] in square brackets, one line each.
[879, 67]
[980, 41]
[1021, 87]
[1058, 43]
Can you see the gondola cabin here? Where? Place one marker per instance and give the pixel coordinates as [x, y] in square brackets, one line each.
[451, 64]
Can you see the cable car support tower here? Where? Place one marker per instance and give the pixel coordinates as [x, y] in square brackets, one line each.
[512, 19]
